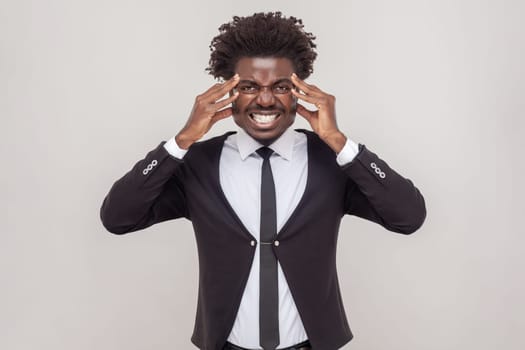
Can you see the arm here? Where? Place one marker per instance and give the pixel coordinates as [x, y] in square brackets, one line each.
[374, 191]
[151, 192]
[378, 193]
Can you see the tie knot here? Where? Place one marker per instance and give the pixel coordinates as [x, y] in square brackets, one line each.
[265, 152]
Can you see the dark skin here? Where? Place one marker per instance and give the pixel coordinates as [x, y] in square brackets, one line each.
[274, 73]
[270, 76]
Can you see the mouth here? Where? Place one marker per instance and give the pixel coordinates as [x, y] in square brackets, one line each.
[264, 119]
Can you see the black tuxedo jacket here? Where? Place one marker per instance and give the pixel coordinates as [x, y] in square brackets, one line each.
[161, 187]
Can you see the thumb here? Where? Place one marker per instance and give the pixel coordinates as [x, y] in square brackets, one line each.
[307, 114]
[222, 114]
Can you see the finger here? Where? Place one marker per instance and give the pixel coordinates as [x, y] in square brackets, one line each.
[306, 88]
[224, 88]
[217, 89]
[307, 114]
[222, 114]
[223, 103]
[310, 99]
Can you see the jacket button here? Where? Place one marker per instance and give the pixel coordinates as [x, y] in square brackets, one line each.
[252, 243]
[276, 243]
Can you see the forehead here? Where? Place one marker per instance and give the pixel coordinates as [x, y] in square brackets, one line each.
[264, 70]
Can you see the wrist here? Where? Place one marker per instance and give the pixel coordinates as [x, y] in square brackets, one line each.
[183, 141]
[335, 140]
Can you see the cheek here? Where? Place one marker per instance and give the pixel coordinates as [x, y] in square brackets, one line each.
[240, 104]
[294, 104]
[237, 106]
[290, 103]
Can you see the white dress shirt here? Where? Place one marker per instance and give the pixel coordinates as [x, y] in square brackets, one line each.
[240, 178]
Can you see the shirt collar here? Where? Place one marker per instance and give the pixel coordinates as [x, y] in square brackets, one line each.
[283, 146]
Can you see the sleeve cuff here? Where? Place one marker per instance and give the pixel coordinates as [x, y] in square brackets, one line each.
[348, 153]
[173, 149]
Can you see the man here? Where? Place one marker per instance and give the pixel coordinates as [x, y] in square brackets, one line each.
[266, 201]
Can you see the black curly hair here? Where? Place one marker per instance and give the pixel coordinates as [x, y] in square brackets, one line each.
[262, 35]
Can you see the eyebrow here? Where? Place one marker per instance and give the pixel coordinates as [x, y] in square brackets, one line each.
[286, 80]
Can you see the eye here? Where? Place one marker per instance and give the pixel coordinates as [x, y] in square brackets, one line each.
[247, 89]
[282, 89]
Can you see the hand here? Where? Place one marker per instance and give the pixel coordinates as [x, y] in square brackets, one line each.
[322, 120]
[206, 111]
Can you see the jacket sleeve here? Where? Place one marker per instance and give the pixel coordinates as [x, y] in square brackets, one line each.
[378, 193]
[151, 192]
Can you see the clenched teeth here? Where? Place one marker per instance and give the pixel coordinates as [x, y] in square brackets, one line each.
[264, 118]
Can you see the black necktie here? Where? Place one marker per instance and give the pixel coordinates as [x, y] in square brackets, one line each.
[269, 293]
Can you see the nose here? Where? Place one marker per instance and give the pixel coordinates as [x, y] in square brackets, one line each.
[265, 97]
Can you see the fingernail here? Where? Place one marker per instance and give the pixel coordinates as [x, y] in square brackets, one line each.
[236, 76]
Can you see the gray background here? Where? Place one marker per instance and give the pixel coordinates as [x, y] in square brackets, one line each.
[436, 88]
